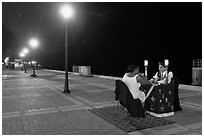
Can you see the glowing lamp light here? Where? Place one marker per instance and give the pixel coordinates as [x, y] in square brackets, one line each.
[33, 43]
[66, 11]
[22, 55]
[33, 62]
[166, 62]
[145, 63]
[25, 50]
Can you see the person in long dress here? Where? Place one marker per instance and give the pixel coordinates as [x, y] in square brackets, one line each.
[134, 79]
[162, 76]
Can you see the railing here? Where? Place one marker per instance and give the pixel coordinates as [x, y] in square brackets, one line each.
[197, 72]
[197, 63]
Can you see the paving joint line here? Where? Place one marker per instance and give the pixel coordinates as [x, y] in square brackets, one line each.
[54, 88]
[23, 88]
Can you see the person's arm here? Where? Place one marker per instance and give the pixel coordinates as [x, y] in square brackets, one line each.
[154, 79]
[155, 76]
[170, 76]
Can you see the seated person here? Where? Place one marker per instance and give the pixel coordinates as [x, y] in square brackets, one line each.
[162, 76]
[133, 79]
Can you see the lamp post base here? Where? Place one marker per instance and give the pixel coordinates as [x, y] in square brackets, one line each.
[66, 84]
[33, 75]
[66, 91]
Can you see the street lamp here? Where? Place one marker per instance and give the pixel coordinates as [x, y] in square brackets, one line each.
[25, 51]
[66, 11]
[33, 43]
[22, 55]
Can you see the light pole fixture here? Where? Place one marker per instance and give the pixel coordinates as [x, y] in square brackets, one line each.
[33, 42]
[146, 65]
[66, 11]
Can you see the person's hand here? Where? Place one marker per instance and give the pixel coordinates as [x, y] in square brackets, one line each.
[151, 81]
[141, 74]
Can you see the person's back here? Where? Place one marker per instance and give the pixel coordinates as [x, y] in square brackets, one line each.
[132, 80]
[132, 84]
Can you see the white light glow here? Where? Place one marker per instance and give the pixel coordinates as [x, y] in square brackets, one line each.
[66, 11]
[33, 43]
[25, 50]
[22, 54]
[145, 63]
[33, 62]
[166, 62]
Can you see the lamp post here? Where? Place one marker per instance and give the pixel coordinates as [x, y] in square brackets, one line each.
[25, 51]
[33, 43]
[66, 11]
[146, 65]
[22, 55]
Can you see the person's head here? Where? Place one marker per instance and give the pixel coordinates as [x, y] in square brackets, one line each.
[133, 69]
[162, 68]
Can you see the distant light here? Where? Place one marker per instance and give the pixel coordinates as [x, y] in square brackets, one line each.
[29, 62]
[33, 43]
[6, 60]
[25, 50]
[33, 62]
[145, 63]
[166, 62]
[66, 11]
[22, 54]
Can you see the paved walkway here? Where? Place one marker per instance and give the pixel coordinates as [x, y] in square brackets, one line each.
[37, 106]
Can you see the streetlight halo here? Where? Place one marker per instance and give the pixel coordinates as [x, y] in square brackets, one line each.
[25, 50]
[33, 43]
[66, 11]
[22, 54]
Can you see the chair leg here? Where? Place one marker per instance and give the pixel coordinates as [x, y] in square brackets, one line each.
[125, 111]
[116, 108]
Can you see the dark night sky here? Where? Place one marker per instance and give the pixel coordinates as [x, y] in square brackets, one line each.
[107, 36]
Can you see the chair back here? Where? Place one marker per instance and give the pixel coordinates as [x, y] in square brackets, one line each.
[177, 106]
[123, 94]
[121, 91]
